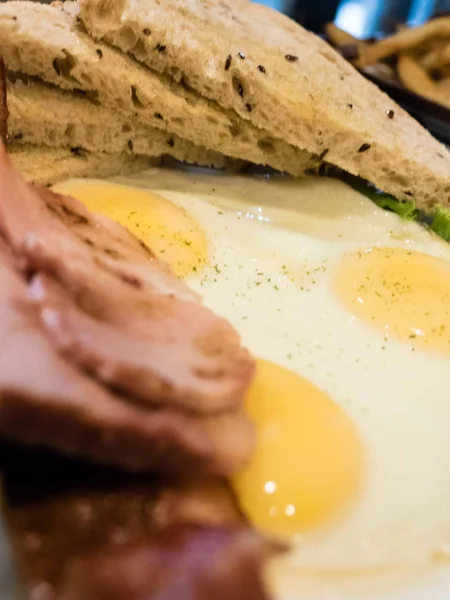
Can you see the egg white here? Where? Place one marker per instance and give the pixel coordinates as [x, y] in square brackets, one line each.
[273, 245]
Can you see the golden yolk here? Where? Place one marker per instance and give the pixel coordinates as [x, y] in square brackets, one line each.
[308, 462]
[403, 293]
[167, 229]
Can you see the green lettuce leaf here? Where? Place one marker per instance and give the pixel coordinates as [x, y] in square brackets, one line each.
[404, 209]
[441, 222]
[438, 222]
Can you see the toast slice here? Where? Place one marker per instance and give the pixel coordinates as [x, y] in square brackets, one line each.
[3, 105]
[41, 114]
[47, 166]
[282, 79]
[40, 40]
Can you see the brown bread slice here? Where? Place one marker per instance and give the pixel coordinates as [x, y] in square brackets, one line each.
[41, 40]
[244, 55]
[47, 166]
[45, 115]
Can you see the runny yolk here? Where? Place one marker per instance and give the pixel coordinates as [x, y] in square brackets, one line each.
[308, 462]
[166, 228]
[404, 294]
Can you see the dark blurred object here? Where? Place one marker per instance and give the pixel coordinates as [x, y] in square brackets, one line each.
[314, 15]
[396, 11]
[83, 533]
[362, 18]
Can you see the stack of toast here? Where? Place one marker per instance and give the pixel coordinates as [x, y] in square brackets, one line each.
[79, 104]
[220, 83]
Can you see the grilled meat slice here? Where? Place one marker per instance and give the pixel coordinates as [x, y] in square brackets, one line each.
[178, 352]
[91, 364]
[46, 401]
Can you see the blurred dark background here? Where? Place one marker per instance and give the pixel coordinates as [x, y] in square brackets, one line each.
[362, 18]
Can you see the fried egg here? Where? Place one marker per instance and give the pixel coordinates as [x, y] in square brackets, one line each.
[346, 308]
[169, 230]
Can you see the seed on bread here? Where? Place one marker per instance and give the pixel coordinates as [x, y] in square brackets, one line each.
[135, 98]
[78, 151]
[237, 85]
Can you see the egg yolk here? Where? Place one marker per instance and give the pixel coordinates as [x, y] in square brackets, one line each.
[403, 293]
[171, 233]
[308, 462]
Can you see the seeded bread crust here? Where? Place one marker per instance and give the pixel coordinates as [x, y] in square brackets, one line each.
[47, 166]
[41, 40]
[3, 104]
[242, 54]
[42, 114]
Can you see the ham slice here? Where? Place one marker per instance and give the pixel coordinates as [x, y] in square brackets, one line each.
[106, 355]
[124, 292]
